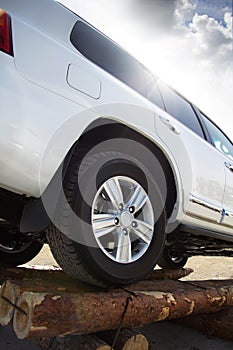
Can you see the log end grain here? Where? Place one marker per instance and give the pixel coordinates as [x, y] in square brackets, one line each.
[23, 316]
[137, 342]
[8, 298]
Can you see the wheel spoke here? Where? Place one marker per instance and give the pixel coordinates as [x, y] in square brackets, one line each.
[138, 198]
[103, 224]
[113, 189]
[143, 231]
[124, 253]
[122, 228]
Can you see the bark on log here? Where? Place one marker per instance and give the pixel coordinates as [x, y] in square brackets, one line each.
[211, 283]
[11, 290]
[219, 324]
[93, 312]
[51, 275]
[31, 279]
[162, 274]
[58, 283]
[37, 279]
[19, 273]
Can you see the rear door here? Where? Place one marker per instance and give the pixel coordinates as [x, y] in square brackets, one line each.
[199, 163]
[224, 147]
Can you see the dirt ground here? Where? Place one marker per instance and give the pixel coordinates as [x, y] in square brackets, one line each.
[164, 335]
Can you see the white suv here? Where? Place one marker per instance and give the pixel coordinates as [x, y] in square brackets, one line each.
[99, 158]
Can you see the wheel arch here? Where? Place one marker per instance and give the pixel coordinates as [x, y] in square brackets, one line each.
[35, 218]
[103, 129]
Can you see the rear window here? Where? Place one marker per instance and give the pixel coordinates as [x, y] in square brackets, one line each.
[218, 138]
[113, 59]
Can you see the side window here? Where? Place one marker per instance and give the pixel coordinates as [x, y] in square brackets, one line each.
[152, 90]
[218, 138]
[113, 59]
[108, 56]
[180, 109]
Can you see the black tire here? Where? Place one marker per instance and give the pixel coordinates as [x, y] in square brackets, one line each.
[172, 260]
[24, 252]
[76, 250]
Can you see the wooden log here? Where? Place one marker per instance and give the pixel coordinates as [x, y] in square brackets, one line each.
[137, 342]
[93, 312]
[19, 273]
[211, 283]
[219, 324]
[77, 342]
[59, 282]
[41, 279]
[44, 285]
[130, 340]
[8, 298]
[161, 274]
[31, 279]
[125, 336]
[11, 290]
[55, 274]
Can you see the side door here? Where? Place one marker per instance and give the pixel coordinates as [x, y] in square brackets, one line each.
[224, 147]
[200, 166]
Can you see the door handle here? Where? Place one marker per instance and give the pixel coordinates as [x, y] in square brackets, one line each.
[170, 125]
[229, 166]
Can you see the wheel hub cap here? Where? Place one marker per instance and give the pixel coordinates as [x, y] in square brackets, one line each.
[126, 219]
[122, 219]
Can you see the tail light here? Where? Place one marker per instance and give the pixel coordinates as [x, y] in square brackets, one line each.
[5, 33]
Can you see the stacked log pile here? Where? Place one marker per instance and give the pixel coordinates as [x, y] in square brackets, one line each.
[45, 304]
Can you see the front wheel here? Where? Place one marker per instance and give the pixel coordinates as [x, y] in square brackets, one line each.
[120, 220]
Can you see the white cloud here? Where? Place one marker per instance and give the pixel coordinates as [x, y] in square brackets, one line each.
[184, 11]
[211, 39]
[228, 20]
[197, 59]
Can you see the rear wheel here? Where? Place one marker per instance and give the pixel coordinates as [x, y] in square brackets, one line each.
[119, 232]
[16, 249]
[171, 259]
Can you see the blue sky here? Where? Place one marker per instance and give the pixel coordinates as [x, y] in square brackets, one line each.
[188, 43]
[214, 8]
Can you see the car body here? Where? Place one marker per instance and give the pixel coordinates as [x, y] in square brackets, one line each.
[64, 83]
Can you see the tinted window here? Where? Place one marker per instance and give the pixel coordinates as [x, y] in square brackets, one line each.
[152, 90]
[180, 109]
[109, 56]
[218, 139]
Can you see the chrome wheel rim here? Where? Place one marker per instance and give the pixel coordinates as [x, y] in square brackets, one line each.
[122, 219]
